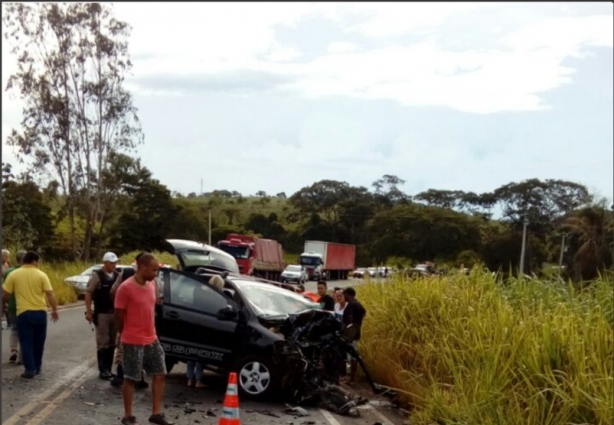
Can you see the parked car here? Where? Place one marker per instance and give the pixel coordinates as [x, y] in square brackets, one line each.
[231, 330]
[372, 271]
[79, 282]
[294, 273]
[359, 273]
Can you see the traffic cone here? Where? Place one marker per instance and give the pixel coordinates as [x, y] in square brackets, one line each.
[230, 408]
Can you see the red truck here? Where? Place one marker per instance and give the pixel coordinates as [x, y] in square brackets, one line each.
[255, 256]
[328, 260]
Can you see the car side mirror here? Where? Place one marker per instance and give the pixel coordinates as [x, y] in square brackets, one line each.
[227, 313]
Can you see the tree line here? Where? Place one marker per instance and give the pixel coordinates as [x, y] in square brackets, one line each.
[84, 190]
[387, 225]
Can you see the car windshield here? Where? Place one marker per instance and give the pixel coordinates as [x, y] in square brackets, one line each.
[269, 300]
[310, 261]
[293, 268]
[240, 252]
[213, 259]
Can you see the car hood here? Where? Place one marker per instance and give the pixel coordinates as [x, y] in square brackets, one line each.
[77, 279]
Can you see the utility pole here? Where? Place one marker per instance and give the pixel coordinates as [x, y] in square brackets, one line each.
[562, 252]
[209, 227]
[524, 244]
[201, 187]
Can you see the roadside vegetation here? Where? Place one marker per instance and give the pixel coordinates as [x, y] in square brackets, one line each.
[475, 350]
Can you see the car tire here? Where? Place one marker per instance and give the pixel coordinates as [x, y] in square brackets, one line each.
[170, 363]
[251, 371]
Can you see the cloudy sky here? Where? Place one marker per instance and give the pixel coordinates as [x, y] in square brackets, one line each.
[275, 96]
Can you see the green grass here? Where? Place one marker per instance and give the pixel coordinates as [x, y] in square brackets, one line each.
[470, 350]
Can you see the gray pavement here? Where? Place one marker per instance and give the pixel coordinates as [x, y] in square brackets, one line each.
[69, 391]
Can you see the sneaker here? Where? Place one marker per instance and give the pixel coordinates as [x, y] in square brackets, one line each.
[13, 358]
[105, 375]
[27, 376]
[159, 419]
[129, 420]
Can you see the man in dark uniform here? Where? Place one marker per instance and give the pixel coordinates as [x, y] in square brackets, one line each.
[99, 291]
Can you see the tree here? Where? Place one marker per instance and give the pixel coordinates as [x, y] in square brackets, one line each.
[261, 194]
[590, 251]
[281, 195]
[387, 188]
[72, 60]
[322, 197]
[149, 216]
[26, 219]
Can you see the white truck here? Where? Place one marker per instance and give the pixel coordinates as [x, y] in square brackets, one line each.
[328, 260]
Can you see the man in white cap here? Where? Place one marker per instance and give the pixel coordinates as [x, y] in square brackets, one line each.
[99, 291]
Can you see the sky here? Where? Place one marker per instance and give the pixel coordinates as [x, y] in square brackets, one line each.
[458, 96]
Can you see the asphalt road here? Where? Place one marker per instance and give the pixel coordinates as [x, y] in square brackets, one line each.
[69, 391]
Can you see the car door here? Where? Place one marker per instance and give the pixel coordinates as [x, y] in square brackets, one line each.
[190, 326]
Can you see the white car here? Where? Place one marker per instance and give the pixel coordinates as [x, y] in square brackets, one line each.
[294, 273]
[79, 282]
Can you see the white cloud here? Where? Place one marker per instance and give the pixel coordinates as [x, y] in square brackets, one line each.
[284, 54]
[509, 76]
[340, 47]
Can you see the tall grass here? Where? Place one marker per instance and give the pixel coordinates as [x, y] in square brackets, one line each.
[471, 350]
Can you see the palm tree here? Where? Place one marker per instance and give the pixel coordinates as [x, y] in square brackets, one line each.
[588, 244]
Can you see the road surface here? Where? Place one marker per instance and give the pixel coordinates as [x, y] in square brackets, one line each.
[69, 391]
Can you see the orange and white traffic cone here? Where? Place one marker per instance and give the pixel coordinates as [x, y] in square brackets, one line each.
[230, 408]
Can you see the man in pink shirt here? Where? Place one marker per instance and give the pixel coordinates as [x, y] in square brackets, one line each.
[135, 303]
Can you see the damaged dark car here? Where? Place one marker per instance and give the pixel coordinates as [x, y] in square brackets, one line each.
[274, 338]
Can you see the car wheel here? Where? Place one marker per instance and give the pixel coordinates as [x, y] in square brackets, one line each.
[170, 362]
[256, 376]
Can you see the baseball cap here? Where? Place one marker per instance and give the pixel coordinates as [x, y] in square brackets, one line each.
[110, 257]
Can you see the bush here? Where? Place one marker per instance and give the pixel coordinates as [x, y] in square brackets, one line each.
[470, 350]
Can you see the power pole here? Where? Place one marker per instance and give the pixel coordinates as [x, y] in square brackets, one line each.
[524, 245]
[562, 252]
[201, 187]
[209, 227]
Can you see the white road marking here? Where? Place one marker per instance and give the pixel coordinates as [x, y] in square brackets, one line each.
[329, 417]
[51, 406]
[76, 373]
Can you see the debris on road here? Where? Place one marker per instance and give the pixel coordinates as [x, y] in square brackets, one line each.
[296, 411]
[313, 356]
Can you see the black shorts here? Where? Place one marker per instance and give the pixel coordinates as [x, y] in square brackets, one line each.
[143, 357]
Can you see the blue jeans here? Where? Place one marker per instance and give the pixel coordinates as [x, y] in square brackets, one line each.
[32, 329]
[195, 370]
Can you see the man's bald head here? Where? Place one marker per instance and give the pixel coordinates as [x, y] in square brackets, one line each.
[147, 266]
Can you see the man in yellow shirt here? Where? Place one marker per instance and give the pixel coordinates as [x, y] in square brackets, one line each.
[32, 291]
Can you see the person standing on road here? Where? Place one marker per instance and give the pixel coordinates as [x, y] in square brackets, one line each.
[353, 316]
[135, 304]
[99, 291]
[31, 286]
[11, 312]
[6, 264]
[6, 260]
[326, 302]
[118, 379]
[340, 304]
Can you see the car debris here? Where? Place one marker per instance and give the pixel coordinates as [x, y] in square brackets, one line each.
[313, 356]
[296, 411]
